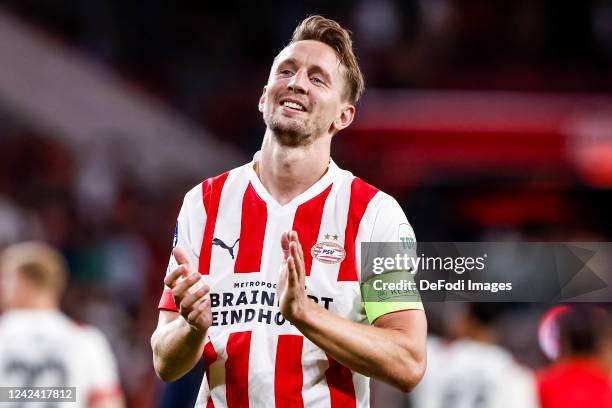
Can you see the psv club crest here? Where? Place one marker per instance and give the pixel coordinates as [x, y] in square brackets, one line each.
[328, 252]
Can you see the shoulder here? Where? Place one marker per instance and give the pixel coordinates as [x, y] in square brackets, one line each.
[92, 339]
[364, 194]
[386, 204]
[492, 355]
[204, 190]
[383, 209]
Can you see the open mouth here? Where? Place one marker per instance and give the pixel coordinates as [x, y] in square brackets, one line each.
[294, 105]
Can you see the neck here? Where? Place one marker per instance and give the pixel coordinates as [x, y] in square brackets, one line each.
[37, 301]
[482, 335]
[286, 171]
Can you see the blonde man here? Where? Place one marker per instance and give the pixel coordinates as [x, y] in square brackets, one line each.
[39, 345]
[264, 277]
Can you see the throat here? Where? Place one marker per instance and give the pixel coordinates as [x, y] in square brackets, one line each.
[284, 182]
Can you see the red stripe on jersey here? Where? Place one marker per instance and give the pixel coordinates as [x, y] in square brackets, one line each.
[307, 223]
[340, 383]
[252, 232]
[210, 356]
[288, 377]
[361, 194]
[167, 301]
[237, 369]
[211, 195]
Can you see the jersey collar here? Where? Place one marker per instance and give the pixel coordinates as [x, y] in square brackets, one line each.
[314, 190]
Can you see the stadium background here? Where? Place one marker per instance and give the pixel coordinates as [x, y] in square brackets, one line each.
[486, 120]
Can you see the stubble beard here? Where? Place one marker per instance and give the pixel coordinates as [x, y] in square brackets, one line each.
[291, 133]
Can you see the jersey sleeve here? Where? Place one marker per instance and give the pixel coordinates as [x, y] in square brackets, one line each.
[188, 236]
[391, 225]
[103, 379]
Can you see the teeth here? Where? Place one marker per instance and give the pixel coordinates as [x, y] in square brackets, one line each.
[293, 105]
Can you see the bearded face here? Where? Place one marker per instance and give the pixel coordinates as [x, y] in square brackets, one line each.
[292, 129]
[303, 96]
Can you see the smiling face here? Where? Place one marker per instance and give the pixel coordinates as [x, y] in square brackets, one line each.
[305, 95]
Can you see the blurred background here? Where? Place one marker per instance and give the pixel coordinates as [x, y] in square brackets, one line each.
[487, 120]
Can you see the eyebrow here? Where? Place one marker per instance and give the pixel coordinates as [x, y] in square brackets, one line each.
[312, 68]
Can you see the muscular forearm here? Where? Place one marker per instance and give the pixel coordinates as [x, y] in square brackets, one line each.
[176, 348]
[178, 341]
[387, 354]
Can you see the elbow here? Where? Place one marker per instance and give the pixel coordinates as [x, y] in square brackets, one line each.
[411, 375]
[163, 370]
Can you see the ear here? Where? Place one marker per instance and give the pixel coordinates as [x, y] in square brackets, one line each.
[344, 119]
[262, 99]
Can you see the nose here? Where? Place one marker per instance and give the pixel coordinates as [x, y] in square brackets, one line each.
[299, 82]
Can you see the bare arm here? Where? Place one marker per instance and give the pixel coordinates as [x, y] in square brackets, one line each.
[178, 340]
[393, 350]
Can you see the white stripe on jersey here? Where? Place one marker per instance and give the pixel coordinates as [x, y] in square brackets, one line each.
[227, 227]
[315, 390]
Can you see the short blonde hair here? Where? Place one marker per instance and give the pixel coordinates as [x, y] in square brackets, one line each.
[329, 32]
[39, 263]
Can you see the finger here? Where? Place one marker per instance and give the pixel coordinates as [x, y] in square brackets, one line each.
[180, 255]
[191, 299]
[183, 285]
[285, 244]
[171, 279]
[292, 274]
[298, 261]
[187, 312]
[282, 280]
[199, 311]
[295, 238]
[299, 245]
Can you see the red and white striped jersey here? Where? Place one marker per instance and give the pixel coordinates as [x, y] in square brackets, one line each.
[231, 228]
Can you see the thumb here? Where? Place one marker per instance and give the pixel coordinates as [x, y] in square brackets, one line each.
[180, 256]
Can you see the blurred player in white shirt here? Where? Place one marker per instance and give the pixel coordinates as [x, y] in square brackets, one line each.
[39, 345]
[472, 371]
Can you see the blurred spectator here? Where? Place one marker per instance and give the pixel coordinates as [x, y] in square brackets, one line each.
[573, 337]
[39, 345]
[472, 371]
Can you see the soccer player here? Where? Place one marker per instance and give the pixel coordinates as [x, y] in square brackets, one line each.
[39, 345]
[472, 371]
[264, 277]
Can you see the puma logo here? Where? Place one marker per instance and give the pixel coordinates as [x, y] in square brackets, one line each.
[217, 241]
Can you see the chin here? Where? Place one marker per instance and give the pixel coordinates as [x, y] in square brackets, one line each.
[289, 132]
[291, 137]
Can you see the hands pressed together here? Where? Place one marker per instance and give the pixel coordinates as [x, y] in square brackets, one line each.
[290, 289]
